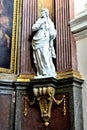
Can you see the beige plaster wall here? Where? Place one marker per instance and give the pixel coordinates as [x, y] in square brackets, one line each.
[82, 66]
[79, 6]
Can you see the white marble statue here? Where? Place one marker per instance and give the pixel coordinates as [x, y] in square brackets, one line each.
[42, 44]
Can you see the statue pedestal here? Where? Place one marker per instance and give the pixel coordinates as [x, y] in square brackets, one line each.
[44, 91]
[71, 98]
[58, 104]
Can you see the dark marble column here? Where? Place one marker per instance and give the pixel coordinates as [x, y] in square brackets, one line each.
[65, 44]
[29, 15]
[28, 18]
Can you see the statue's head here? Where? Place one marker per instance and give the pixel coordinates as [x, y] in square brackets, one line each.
[46, 11]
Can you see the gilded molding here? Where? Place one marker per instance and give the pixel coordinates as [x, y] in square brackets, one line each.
[68, 74]
[18, 32]
[60, 75]
[25, 77]
[18, 40]
[26, 99]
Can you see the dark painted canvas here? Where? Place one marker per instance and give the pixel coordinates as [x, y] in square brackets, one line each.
[6, 16]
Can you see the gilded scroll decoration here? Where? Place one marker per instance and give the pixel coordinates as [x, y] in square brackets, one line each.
[45, 98]
[27, 100]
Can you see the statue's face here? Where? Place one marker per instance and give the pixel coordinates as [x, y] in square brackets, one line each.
[43, 13]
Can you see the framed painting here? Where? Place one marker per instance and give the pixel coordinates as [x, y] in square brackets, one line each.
[9, 26]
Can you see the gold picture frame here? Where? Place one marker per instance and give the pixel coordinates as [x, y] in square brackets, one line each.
[15, 38]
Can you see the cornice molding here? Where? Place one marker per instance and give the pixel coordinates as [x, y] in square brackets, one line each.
[79, 25]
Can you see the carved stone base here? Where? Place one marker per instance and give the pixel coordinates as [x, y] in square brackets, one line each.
[68, 93]
[71, 86]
